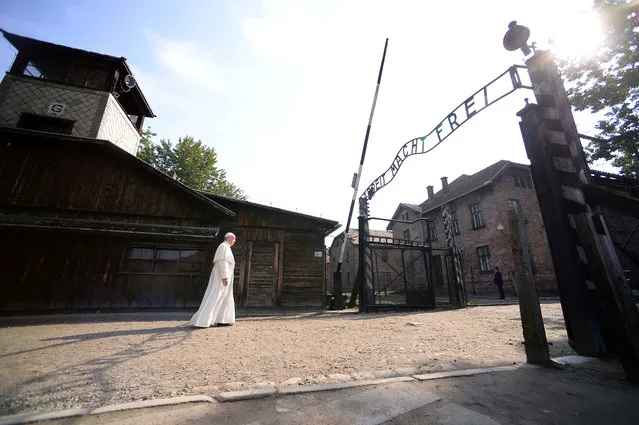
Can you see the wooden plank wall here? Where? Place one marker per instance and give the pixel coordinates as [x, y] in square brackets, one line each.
[303, 274]
[60, 270]
[277, 267]
[88, 179]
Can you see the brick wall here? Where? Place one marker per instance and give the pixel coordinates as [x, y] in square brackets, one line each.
[494, 203]
[117, 127]
[350, 262]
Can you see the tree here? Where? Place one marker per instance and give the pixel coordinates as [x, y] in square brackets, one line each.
[609, 82]
[193, 163]
[146, 148]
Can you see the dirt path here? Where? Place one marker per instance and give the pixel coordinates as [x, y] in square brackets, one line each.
[98, 359]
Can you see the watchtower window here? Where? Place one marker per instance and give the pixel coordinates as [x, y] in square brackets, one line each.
[75, 73]
[44, 123]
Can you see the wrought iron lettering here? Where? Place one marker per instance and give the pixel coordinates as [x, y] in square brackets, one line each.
[455, 119]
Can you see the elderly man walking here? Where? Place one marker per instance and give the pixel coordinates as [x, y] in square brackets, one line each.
[218, 306]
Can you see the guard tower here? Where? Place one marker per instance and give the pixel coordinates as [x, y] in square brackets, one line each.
[60, 89]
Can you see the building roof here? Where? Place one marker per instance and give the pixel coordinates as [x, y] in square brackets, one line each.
[330, 225]
[353, 235]
[20, 135]
[403, 205]
[22, 43]
[466, 184]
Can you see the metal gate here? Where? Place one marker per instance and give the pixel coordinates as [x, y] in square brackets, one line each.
[399, 273]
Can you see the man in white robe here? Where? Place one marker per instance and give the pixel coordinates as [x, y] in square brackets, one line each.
[218, 306]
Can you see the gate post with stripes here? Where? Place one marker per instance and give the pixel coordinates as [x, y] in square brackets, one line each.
[458, 295]
[365, 260]
[597, 318]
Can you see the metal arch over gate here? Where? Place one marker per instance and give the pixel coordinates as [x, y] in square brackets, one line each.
[413, 285]
[470, 107]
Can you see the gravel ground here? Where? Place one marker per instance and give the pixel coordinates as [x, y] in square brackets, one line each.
[89, 360]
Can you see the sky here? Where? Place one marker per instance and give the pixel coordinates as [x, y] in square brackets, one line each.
[282, 89]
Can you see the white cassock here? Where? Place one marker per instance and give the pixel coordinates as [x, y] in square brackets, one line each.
[218, 305]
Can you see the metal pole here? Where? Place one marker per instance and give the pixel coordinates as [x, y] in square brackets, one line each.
[361, 166]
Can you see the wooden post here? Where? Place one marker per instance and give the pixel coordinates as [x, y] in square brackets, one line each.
[532, 322]
[247, 283]
[598, 316]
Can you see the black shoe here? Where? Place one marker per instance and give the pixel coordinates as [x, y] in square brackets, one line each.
[224, 324]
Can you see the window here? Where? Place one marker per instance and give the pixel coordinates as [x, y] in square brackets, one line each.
[485, 265]
[454, 222]
[44, 123]
[407, 234]
[77, 74]
[432, 232]
[165, 260]
[46, 69]
[97, 78]
[522, 181]
[191, 261]
[476, 216]
[513, 204]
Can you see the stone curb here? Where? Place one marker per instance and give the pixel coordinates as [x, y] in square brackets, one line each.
[340, 385]
[246, 395]
[463, 372]
[151, 403]
[24, 418]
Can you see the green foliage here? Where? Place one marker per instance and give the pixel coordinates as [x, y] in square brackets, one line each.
[609, 82]
[146, 149]
[193, 163]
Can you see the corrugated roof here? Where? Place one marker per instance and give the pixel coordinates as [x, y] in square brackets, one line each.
[465, 184]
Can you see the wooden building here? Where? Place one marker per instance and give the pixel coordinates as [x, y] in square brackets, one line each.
[84, 224]
[279, 254]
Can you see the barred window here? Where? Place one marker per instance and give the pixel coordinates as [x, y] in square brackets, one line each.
[407, 234]
[485, 265]
[477, 216]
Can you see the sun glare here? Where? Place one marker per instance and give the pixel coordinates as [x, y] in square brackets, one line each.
[579, 37]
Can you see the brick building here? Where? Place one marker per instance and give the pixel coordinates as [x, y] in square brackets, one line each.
[351, 257]
[479, 204]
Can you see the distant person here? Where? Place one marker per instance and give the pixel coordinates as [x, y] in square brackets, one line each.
[499, 282]
[218, 306]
